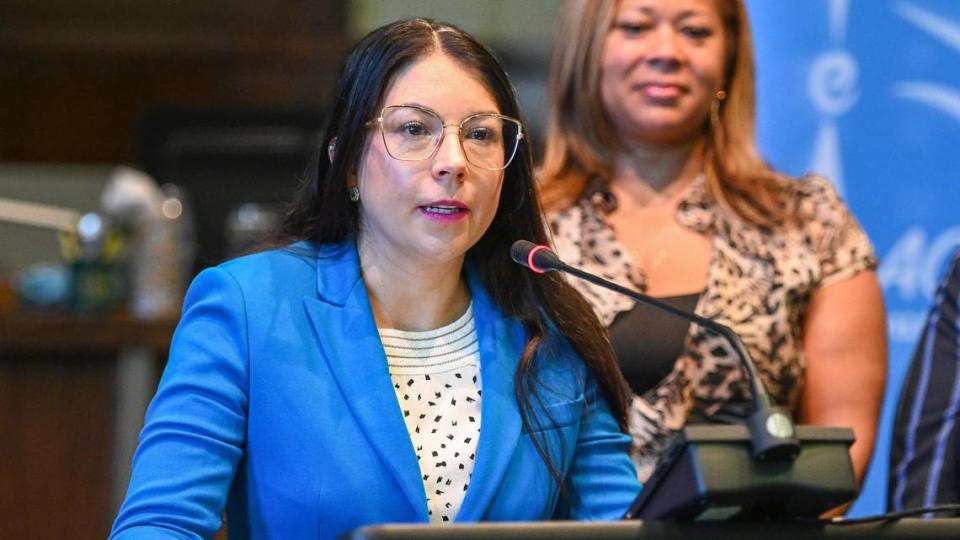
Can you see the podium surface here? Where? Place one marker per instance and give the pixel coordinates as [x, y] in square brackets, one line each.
[912, 529]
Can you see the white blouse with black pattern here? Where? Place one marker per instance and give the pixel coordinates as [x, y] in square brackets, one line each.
[436, 376]
[760, 282]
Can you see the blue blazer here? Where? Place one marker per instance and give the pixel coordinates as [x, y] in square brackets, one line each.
[276, 405]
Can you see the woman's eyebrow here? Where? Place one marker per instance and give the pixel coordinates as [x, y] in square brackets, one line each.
[424, 107]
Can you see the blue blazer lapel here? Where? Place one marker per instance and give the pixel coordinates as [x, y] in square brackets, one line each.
[348, 339]
[501, 344]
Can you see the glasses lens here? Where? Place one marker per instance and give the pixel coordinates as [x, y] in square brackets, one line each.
[489, 140]
[410, 133]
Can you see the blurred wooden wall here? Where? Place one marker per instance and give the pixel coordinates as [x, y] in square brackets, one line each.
[76, 74]
[75, 77]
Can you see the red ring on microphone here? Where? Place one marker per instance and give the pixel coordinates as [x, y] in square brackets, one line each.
[530, 263]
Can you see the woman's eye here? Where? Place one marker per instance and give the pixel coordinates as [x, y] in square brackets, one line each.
[481, 134]
[414, 129]
[632, 28]
[697, 32]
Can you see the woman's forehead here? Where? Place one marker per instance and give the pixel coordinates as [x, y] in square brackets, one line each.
[438, 81]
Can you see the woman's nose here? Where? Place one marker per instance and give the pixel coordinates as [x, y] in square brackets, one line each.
[450, 160]
[665, 48]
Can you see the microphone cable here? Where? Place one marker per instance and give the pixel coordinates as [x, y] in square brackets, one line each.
[953, 508]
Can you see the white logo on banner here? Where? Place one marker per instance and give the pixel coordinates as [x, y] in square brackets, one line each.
[913, 265]
[937, 96]
[832, 87]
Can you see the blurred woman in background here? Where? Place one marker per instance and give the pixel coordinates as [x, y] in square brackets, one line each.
[652, 179]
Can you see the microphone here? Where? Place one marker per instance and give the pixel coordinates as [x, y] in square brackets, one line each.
[772, 433]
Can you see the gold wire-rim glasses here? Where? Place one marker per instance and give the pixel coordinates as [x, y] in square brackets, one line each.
[438, 140]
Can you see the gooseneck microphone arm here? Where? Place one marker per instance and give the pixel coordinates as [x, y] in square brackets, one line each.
[772, 433]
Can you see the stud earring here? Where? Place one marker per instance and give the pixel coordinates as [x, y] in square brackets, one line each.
[332, 148]
[354, 194]
[715, 109]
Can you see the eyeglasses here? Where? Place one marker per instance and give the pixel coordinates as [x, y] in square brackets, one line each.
[489, 141]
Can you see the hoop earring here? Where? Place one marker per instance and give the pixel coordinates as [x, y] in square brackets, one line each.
[715, 109]
[354, 194]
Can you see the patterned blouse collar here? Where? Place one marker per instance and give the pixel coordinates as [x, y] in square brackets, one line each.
[600, 252]
[697, 209]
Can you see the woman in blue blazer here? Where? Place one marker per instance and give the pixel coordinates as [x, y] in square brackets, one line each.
[388, 362]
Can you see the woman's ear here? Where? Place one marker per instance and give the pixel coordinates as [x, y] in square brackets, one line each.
[332, 148]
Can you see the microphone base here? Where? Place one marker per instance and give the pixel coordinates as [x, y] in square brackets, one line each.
[710, 473]
[772, 435]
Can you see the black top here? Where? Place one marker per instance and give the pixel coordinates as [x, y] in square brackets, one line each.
[648, 341]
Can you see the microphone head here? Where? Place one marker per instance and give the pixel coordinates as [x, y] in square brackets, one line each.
[520, 250]
[538, 258]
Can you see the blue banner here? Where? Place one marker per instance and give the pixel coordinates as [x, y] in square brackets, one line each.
[867, 93]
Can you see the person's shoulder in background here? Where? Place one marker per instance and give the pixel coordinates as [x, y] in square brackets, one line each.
[837, 239]
[925, 452]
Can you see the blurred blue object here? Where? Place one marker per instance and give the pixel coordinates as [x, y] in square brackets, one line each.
[43, 285]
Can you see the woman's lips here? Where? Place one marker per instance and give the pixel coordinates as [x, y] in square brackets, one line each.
[445, 211]
[662, 91]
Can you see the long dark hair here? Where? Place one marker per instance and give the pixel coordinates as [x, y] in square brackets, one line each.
[323, 213]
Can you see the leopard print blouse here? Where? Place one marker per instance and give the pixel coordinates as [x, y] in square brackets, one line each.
[760, 282]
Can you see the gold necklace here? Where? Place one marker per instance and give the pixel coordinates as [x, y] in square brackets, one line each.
[661, 238]
[658, 259]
